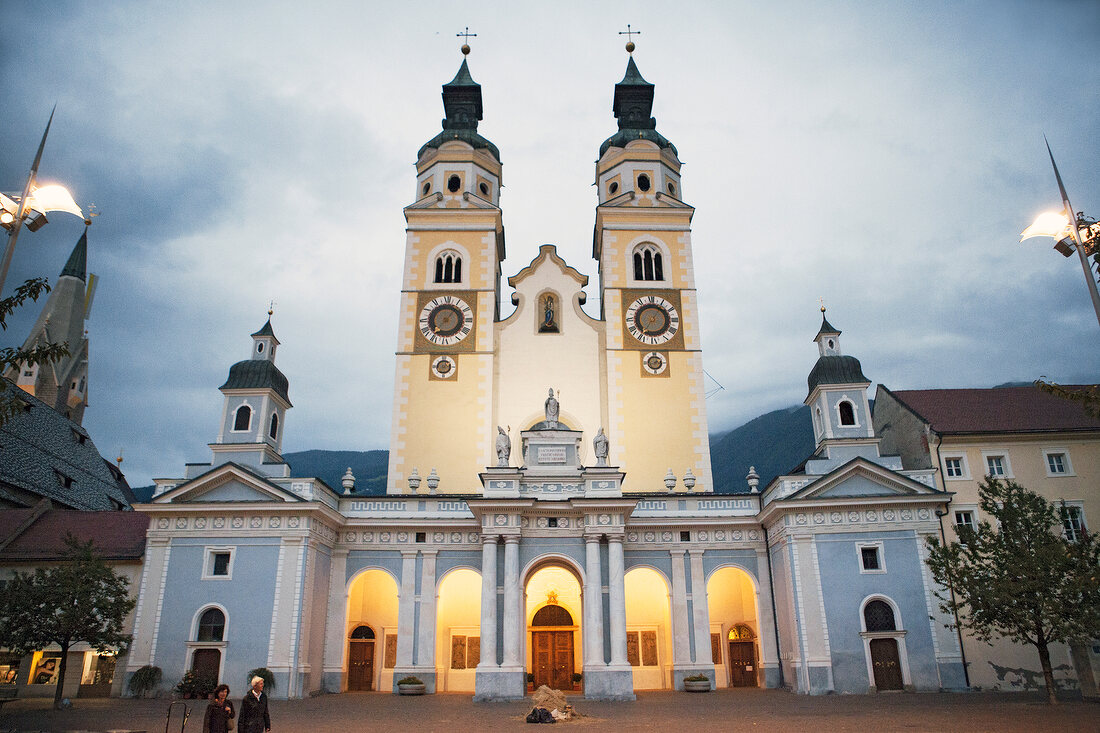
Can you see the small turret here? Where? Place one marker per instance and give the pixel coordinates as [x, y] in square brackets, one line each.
[256, 396]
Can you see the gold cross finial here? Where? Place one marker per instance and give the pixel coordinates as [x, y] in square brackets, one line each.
[630, 38]
[270, 308]
[822, 302]
[466, 36]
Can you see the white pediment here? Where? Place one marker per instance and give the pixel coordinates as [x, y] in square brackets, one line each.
[860, 478]
[226, 483]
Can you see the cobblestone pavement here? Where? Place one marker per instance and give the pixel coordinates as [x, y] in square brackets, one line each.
[723, 710]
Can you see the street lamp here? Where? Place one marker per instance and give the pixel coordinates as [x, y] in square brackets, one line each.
[32, 206]
[1070, 232]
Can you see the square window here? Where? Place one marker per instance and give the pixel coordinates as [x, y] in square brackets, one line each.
[954, 467]
[552, 522]
[218, 564]
[421, 536]
[1058, 462]
[685, 536]
[995, 465]
[1073, 523]
[870, 558]
[964, 518]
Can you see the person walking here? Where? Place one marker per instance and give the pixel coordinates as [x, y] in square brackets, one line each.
[254, 717]
[219, 713]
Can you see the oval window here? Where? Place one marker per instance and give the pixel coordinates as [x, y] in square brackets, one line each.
[612, 187]
[454, 183]
[672, 189]
[427, 187]
[484, 188]
[643, 182]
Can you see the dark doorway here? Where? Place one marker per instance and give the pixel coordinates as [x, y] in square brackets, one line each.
[361, 660]
[206, 663]
[553, 663]
[886, 664]
[742, 664]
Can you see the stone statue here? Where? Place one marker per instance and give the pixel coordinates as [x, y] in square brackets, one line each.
[551, 409]
[504, 447]
[599, 446]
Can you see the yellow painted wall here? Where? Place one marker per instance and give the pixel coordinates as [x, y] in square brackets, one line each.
[569, 597]
[731, 600]
[458, 612]
[647, 607]
[372, 600]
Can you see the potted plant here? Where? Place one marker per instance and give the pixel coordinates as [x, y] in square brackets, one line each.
[530, 681]
[144, 679]
[577, 677]
[265, 674]
[196, 685]
[697, 683]
[410, 686]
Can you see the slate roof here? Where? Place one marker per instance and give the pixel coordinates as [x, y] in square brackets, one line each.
[26, 537]
[40, 448]
[996, 410]
[836, 370]
[77, 265]
[632, 107]
[257, 374]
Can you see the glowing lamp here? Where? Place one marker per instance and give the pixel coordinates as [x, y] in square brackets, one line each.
[1052, 224]
[53, 197]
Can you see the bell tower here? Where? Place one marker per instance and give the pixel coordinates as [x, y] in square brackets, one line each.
[450, 298]
[642, 241]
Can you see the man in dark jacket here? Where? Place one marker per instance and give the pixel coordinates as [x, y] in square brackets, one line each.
[253, 717]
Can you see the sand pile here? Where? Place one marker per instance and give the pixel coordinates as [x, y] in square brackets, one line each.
[554, 701]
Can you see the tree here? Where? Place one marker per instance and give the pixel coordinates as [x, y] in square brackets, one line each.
[1021, 579]
[80, 600]
[12, 357]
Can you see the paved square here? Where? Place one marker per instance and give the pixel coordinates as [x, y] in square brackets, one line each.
[725, 710]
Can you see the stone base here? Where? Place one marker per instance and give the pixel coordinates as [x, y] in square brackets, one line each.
[332, 682]
[771, 677]
[679, 673]
[499, 685]
[608, 683]
[426, 675]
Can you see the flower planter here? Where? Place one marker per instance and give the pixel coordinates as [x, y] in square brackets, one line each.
[411, 689]
[696, 685]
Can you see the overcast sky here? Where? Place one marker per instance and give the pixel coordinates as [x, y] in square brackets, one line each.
[882, 156]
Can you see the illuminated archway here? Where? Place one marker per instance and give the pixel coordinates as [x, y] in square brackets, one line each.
[648, 629]
[372, 603]
[734, 628]
[458, 630]
[553, 626]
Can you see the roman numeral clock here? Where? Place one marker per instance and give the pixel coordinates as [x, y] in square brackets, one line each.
[446, 324]
[652, 324]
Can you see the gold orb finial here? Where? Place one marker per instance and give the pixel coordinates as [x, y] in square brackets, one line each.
[822, 302]
[270, 308]
[630, 47]
[465, 49]
[465, 35]
[630, 33]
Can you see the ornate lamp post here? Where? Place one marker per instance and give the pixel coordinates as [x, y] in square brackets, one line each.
[31, 207]
[1083, 235]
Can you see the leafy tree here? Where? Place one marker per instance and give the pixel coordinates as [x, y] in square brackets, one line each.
[1088, 396]
[1021, 580]
[80, 600]
[12, 357]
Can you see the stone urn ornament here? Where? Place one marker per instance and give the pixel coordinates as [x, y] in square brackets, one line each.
[433, 481]
[670, 480]
[414, 481]
[689, 479]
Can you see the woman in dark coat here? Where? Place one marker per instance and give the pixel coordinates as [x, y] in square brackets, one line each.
[219, 712]
[254, 717]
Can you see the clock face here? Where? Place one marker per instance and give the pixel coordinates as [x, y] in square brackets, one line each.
[446, 320]
[652, 320]
[654, 363]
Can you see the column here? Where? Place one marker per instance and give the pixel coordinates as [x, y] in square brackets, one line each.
[425, 645]
[336, 623]
[406, 610]
[700, 609]
[681, 648]
[593, 604]
[617, 595]
[488, 603]
[513, 617]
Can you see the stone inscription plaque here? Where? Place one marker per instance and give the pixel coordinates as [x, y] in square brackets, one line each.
[551, 454]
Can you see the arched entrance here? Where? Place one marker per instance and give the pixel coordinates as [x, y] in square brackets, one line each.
[371, 631]
[734, 628]
[361, 659]
[553, 614]
[648, 629]
[458, 630]
[884, 638]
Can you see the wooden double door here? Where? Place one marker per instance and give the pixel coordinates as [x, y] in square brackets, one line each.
[886, 663]
[742, 664]
[360, 666]
[553, 659]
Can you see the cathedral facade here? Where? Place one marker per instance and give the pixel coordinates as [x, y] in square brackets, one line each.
[565, 531]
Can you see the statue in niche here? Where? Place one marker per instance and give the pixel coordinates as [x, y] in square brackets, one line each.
[504, 447]
[599, 447]
[551, 407]
[549, 323]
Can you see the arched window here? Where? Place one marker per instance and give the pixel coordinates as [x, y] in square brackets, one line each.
[648, 264]
[274, 431]
[448, 267]
[362, 632]
[211, 625]
[847, 413]
[552, 615]
[878, 616]
[243, 418]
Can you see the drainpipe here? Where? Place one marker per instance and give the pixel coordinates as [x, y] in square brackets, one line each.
[951, 590]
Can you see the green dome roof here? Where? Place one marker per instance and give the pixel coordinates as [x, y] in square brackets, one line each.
[633, 106]
[257, 374]
[462, 104]
[836, 370]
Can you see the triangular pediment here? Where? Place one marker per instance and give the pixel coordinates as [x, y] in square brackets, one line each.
[860, 478]
[228, 482]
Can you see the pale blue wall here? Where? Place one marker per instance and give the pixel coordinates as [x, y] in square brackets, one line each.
[247, 599]
[844, 588]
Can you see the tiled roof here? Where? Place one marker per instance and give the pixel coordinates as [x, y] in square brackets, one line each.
[997, 410]
[40, 449]
[117, 535]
